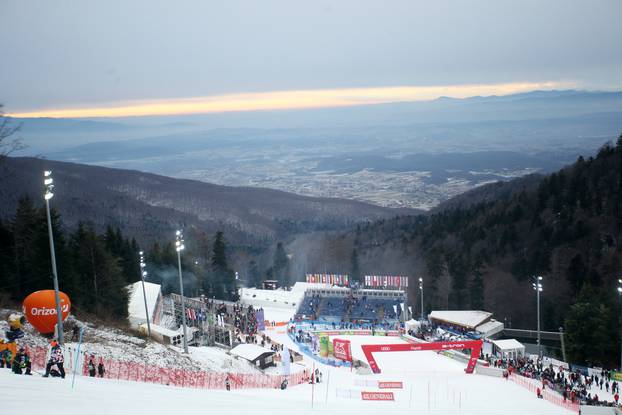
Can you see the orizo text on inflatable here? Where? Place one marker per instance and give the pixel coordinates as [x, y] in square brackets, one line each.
[40, 309]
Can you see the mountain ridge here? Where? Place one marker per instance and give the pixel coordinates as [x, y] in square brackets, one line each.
[126, 198]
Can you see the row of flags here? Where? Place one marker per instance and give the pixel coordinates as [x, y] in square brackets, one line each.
[200, 315]
[195, 314]
[333, 279]
[397, 281]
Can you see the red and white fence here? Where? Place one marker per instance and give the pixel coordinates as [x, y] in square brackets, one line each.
[548, 395]
[140, 372]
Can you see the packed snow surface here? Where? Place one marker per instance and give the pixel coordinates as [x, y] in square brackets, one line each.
[433, 384]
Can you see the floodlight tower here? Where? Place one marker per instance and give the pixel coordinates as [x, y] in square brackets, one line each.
[537, 286]
[49, 187]
[143, 274]
[620, 293]
[421, 289]
[179, 246]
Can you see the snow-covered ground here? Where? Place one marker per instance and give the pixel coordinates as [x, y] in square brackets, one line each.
[432, 384]
[110, 343]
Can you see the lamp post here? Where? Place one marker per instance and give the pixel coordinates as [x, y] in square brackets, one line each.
[537, 285]
[620, 294]
[143, 274]
[421, 289]
[179, 246]
[49, 187]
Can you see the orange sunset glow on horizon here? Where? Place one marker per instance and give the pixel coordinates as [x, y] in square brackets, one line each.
[287, 100]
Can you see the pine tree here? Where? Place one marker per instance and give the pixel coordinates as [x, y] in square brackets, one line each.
[589, 327]
[223, 278]
[7, 248]
[254, 276]
[477, 290]
[355, 271]
[101, 287]
[280, 267]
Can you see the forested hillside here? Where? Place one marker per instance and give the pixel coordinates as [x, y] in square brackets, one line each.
[149, 206]
[566, 227]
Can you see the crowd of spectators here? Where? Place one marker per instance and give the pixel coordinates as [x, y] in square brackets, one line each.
[573, 386]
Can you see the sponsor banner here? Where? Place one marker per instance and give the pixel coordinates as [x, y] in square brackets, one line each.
[332, 279]
[390, 385]
[377, 396]
[323, 346]
[386, 281]
[617, 376]
[342, 349]
[581, 369]
[594, 371]
[551, 361]
[261, 322]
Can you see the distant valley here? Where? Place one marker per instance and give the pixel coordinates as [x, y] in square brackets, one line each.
[413, 155]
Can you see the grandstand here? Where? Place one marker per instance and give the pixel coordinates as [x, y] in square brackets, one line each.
[340, 304]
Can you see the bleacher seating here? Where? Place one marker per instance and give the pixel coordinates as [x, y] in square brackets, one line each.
[347, 307]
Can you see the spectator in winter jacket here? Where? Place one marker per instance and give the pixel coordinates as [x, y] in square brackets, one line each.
[539, 393]
[5, 358]
[56, 358]
[100, 368]
[91, 366]
[21, 362]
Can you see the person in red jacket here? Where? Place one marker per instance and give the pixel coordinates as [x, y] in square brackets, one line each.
[616, 397]
[539, 393]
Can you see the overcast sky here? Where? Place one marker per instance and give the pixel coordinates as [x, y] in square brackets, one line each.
[83, 54]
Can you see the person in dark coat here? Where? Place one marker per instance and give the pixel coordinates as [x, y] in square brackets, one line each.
[56, 358]
[91, 366]
[100, 368]
[21, 362]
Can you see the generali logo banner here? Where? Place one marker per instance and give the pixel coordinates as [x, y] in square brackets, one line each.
[377, 396]
[341, 349]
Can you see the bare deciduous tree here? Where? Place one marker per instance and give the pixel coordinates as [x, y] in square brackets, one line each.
[8, 141]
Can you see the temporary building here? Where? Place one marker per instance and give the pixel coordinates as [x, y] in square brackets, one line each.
[508, 348]
[136, 304]
[257, 355]
[465, 319]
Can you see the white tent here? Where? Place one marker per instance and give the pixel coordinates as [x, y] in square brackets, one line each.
[468, 319]
[490, 328]
[136, 303]
[508, 348]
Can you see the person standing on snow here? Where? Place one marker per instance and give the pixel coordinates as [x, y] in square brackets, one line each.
[100, 368]
[5, 356]
[228, 383]
[56, 358]
[91, 366]
[21, 362]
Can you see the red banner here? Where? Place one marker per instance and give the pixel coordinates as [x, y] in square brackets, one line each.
[386, 281]
[140, 372]
[474, 345]
[390, 385]
[377, 396]
[342, 350]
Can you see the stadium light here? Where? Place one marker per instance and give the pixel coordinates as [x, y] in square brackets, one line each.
[47, 183]
[143, 275]
[421, 289]
[537, 286]
[179, 246]
[620, 293]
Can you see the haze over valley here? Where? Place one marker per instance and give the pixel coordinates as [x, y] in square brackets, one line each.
[413, 155]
